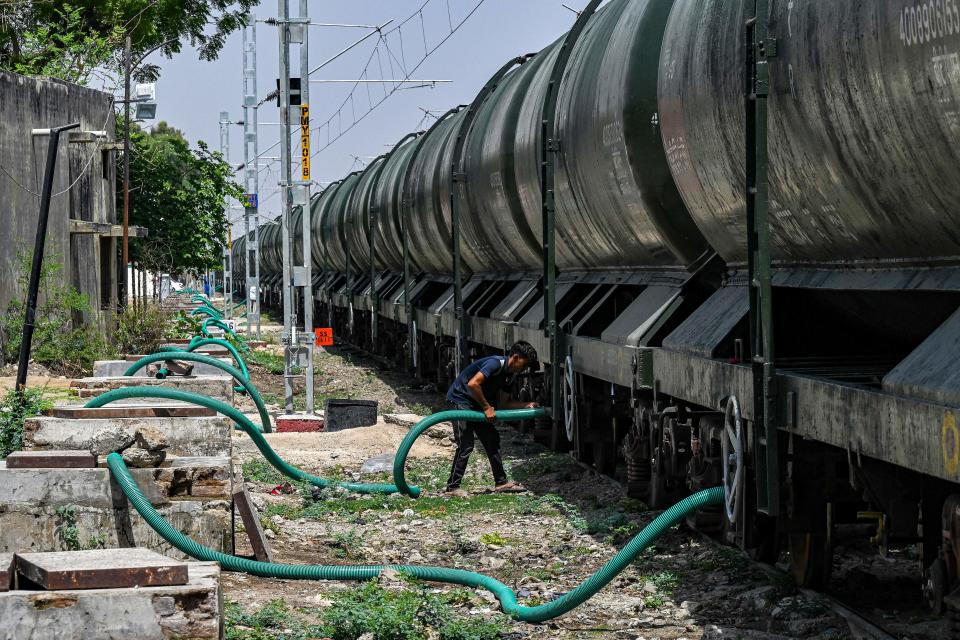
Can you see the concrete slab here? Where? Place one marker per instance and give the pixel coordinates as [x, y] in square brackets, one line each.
[194, 494]
[193, 610]
[218, 387]
[116, 368]
[51, 460]
[100, 569]
[349, 414]
[202, 436]
[132, 409]
[251, 524]
[6, 571]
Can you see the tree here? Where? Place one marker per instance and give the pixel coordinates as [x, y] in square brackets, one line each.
[180, 195]
[77, 39]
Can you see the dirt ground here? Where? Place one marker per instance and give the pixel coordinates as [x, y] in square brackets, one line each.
[542, 543]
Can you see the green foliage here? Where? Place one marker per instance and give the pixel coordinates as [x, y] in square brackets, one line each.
[272, 362]
[259, 470]
[143, 330]
[84, 39]
[183, 326]
[12, 414]
[348, 544]
[496, 539]
[402, 615]
[665, 582]
[62, 46]
[66, 528]
[56, 344]
[180, 195]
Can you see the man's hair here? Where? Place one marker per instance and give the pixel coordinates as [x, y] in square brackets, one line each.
[525, 350]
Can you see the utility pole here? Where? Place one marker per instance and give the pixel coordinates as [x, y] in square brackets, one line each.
[298, 344]
[227, 260]
[126, 175]
[251, 178]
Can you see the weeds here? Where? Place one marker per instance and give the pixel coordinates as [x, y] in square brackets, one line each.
[258, 470]
[143, 330]
[348, 544]
[13, 413]
[68, 533]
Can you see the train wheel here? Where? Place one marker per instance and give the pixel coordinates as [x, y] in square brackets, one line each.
[936, 581]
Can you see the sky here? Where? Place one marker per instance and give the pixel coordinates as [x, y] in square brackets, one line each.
[191, 93]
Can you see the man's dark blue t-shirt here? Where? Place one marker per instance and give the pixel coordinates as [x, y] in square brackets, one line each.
[496, 376]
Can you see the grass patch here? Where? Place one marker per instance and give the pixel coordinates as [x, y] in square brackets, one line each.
[414, 614]
[13, 413]
[496, 539]
[272, 362]
[258, 470]
[665, 583]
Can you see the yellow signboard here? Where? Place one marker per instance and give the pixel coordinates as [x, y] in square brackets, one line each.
[305, 141]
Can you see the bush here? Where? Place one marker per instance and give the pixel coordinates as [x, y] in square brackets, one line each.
[13, 414]
[56, 344]
[143, 330]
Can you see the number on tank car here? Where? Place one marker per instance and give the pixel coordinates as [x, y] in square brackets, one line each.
[927, 21]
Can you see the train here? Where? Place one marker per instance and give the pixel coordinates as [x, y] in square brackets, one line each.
[592, 200]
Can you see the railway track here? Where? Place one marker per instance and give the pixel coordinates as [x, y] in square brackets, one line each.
[861, 627]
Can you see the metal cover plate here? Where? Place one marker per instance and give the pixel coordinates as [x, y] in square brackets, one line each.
[51, 460]
[131, 411]
[101, 569]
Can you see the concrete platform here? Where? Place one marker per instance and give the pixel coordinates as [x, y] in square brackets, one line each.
[194, 494]
[217, 387]
[193, 610]
[200, 436]
[98, 569]
[116, 368]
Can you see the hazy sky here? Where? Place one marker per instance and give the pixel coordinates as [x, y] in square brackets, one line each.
[191, 93]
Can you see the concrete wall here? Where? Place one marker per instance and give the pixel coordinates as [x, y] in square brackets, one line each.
[89, 260]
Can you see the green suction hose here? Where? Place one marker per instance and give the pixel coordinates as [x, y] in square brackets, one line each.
[210, 311]
[244, 423]
[217, 322]
[400, 460]
[198, 342]
[507, 598]
[239, 376]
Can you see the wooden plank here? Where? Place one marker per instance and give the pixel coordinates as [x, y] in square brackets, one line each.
[132, 411]
[251, 522]
[6, 571]
[100, 569]
[51, 460]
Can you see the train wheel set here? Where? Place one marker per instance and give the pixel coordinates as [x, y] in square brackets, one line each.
[603, 199]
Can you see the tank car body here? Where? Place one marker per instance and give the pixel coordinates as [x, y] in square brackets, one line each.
[628, 271]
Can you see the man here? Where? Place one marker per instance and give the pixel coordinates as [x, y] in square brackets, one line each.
[477, 388]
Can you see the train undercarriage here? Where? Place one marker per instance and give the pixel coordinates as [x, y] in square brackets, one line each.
[657, 394]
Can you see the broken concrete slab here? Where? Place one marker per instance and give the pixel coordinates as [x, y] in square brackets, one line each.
[194, 494]
[217, 387]
[6, 571]
[203, 436]
[100, 569]
[251, 524]
[193, 610]
[51, 460]
[409, 420]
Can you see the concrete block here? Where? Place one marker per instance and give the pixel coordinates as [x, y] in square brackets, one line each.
[6, 571]
[299, 423]
[193, 610]
[116, 368]
[349, 414]
[204, 436]
[51, 460]
[99, 569]
[194, 494]
[217, 387]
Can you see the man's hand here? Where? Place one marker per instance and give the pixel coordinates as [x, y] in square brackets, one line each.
[533, 405]
[490, 412]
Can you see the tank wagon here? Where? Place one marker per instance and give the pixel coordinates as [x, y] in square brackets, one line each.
[591, 200]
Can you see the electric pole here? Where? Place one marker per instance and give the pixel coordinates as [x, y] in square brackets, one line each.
[297, 279]
[251, 180]
[227, 257]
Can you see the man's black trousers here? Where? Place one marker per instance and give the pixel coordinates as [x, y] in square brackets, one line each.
[464, 433]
